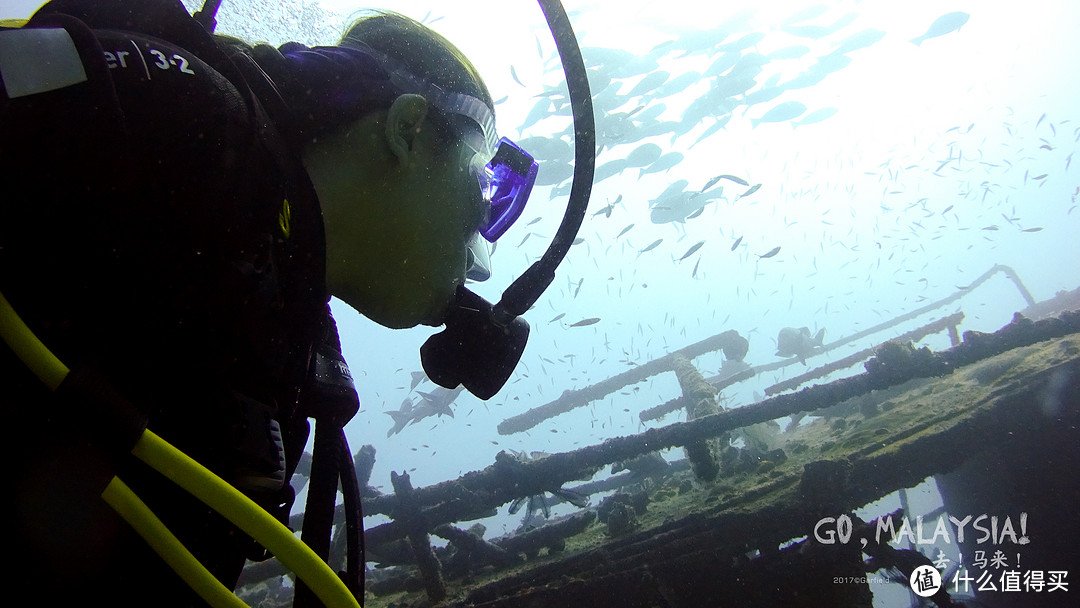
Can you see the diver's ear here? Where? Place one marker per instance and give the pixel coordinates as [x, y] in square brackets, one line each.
[403, 123]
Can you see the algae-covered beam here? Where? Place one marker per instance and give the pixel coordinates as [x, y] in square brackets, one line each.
[1020, 332]
[497, 485]
[729, 341]
[670, 552]
[1009, 272]
[700, 402]
[482, 552]
[1062, 300]
[552, 535]
[502, 482]
[718, 383]
[408, 513]
[659, 411]
[925, 309]
[914, 336]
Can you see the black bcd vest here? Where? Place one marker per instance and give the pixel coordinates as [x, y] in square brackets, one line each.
[156, 226]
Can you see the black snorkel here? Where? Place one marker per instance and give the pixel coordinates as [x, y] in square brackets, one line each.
[207, 16]
[482, 343]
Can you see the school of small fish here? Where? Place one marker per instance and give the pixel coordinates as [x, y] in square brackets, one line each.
[726, 197]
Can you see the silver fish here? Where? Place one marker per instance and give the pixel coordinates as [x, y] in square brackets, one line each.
[737, 180]
[780, 113]
[691, 251]
[651, 246]
[752, 190]
[949, 22]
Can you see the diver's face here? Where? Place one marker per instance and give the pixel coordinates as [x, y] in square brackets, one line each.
[441, 207]
[397, 220]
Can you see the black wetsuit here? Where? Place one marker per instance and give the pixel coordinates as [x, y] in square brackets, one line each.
[155, 227]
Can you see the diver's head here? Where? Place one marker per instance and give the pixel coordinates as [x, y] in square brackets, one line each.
[397, 171]
[419, 49]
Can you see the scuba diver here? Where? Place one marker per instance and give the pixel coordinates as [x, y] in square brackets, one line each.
[179, 208]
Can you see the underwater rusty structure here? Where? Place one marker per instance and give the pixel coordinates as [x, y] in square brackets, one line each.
[715, 526]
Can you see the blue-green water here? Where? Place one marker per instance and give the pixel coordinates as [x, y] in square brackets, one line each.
[890, 174]
[929, 172]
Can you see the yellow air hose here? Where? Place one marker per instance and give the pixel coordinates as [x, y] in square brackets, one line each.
[29, 349]
[164, 543]
[196, 479]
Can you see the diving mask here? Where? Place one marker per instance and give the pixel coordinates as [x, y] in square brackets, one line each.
[506, 173]
[505, 182]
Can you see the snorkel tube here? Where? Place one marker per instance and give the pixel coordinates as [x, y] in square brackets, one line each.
[482, 343]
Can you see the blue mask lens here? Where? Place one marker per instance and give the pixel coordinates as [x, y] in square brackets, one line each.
[511, 174]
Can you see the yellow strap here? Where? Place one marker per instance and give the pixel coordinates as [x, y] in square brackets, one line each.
[164, 543]
[27, 347]
[250, 517]
[196, 479]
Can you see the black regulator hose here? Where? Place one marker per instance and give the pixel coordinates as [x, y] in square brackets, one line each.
[482, 343]
[526, 290]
